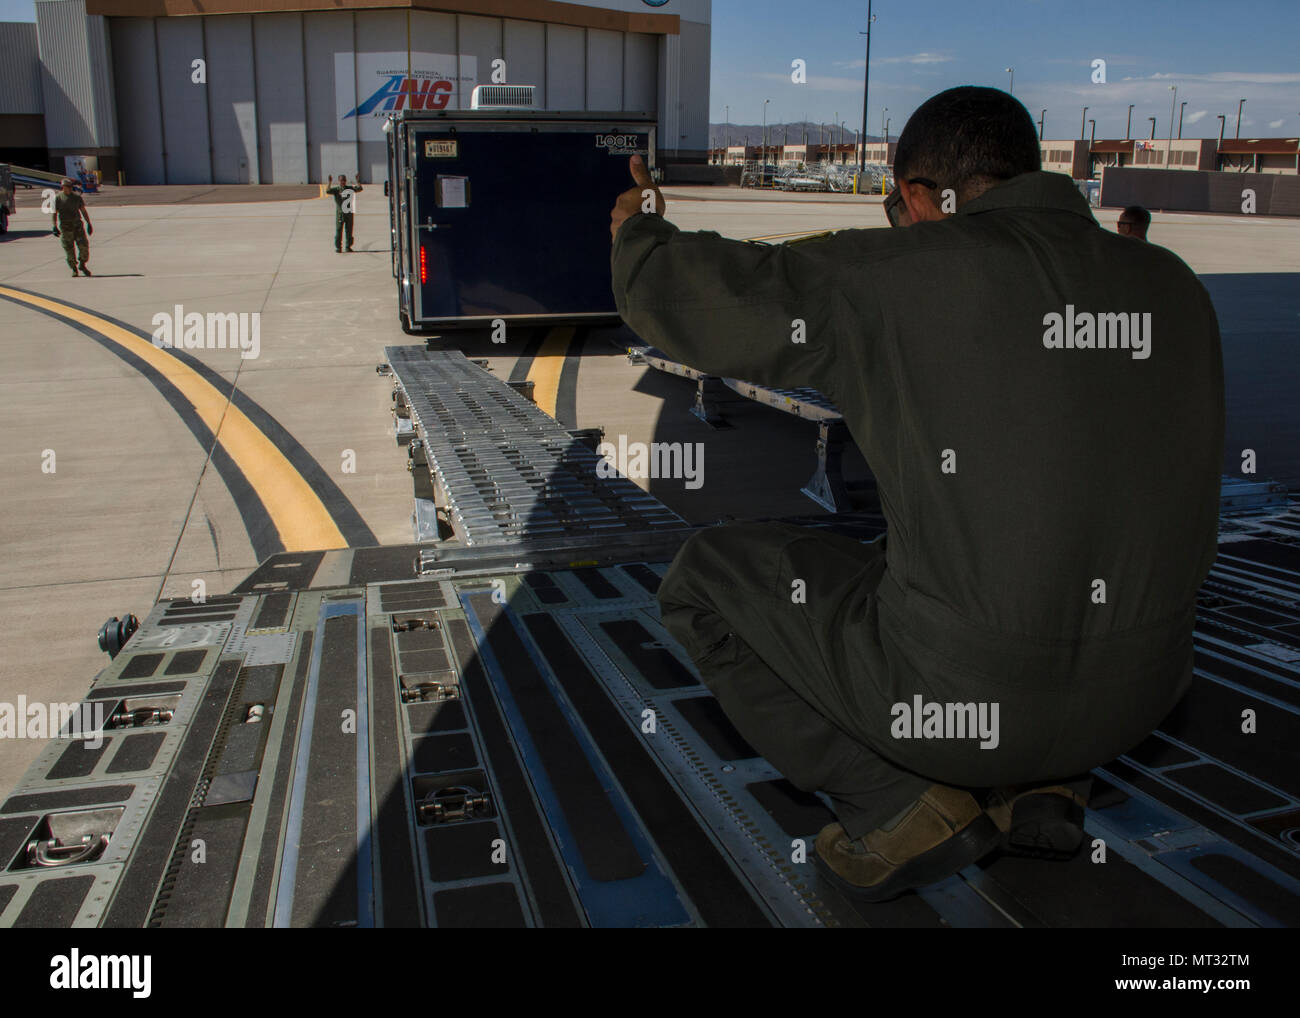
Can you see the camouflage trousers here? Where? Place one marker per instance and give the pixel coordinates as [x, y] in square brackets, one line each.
[342, 225]
[70, 235]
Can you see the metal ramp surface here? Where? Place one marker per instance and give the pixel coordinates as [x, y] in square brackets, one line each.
[500, 468]
[526, 746]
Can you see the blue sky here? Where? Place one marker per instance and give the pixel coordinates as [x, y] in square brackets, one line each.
[1214, 52]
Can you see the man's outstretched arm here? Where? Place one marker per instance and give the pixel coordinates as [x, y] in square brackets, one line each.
[772, 314]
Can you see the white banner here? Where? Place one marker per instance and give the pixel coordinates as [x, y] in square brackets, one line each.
[383, 86]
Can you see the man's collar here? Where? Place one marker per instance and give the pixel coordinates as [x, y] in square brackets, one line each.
[1038, 190]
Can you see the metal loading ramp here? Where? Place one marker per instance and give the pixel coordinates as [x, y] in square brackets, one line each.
[827, 486]
[499, 468]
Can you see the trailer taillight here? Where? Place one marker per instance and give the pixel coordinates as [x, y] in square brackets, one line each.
[424, 267]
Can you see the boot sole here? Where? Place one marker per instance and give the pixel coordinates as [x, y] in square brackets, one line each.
[974, 841]
[1044, 826]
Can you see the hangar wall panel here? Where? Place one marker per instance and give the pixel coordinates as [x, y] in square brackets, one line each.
[693, 94]
[604, 63]
[71, 59]
[480, 38]
[184, 103]
[281, 99]
[525, 54]
[135, 68]
[332, 145]
[100, 48]
[232, 99]
[565, 67]
[640, 73]
[20, 71]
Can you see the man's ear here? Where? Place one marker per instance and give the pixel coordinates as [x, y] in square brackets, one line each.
[919, 200]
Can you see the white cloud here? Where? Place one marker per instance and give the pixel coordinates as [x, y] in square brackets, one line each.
[918, 58]
[829, 84]
[915, 58]
[1277, 123]
[1198, 115]
[1245, 77]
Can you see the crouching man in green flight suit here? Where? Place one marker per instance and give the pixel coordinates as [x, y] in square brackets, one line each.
[344, 208]
[1041, 403]
[69, 210]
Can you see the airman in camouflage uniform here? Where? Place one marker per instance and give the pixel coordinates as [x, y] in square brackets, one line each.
[69, 210]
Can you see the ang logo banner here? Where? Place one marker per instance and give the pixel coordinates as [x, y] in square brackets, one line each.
[370, 86]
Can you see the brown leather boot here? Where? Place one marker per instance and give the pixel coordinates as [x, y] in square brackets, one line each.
[1043, 822]
[943, 831]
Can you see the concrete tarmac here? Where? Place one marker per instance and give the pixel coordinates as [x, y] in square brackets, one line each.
[110, 500]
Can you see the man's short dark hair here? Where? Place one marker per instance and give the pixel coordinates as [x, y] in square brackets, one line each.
[1138, 214]
[968, 139]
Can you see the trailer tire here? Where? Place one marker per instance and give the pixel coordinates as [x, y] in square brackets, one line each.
[4, 220]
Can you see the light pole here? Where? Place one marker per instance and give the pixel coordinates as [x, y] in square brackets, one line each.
[764, 162]
[886, 142]
[866, 74]
[1222, 121]
[1239, 106]
[885, 127]
[1011, 86]
[1128, 124]
[1169, 145]
[1083, 122]
[1041, 117]
[728, 125]
[1181, 107]
[1153, 128]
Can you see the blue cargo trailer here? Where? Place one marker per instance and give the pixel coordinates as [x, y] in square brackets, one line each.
[504, 214]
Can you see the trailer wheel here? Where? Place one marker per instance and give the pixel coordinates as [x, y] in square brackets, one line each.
[4, 220]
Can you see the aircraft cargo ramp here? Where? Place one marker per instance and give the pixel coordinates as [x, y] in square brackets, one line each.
[493, 729]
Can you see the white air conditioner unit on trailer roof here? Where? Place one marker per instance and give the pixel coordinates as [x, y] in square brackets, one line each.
[502, 97]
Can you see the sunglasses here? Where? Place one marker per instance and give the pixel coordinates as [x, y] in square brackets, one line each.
[894, 207]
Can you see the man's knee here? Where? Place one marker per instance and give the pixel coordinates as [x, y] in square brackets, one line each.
[702, 567]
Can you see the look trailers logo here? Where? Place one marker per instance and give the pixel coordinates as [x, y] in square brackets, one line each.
[620, 144]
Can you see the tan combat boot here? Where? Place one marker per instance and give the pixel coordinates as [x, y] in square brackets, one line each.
[1043, 822]
[943, 831]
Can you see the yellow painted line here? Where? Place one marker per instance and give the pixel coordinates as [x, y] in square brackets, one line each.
[545, 370]
[296, 510]
[799, 233]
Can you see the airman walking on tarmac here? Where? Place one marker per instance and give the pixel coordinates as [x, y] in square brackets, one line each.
[344, 207]
[69, 210]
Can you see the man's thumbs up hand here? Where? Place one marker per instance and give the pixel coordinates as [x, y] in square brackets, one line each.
[645, 197]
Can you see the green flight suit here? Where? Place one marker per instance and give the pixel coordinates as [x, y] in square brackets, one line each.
[1052, 506]
[343, 212]
[72, 230]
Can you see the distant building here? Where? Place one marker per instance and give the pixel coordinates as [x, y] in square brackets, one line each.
[292, 91]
